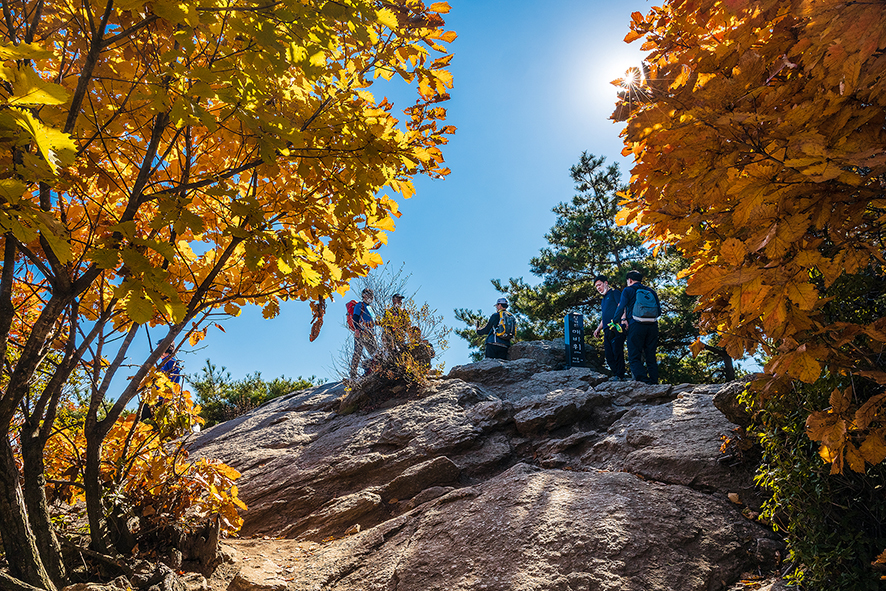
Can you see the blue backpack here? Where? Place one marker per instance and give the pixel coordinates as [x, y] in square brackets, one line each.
[646, 308]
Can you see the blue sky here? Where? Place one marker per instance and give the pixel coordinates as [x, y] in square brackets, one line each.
[530, 94]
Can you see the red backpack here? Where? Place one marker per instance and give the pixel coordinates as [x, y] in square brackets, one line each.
[350, 306]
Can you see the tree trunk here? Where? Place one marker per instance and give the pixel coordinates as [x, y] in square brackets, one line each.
[38, 510]
[19, 542]
[98, 527]
[728, 365]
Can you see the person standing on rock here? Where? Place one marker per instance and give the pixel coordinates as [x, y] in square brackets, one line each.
[395, 324]
[500, 330]
[613, 332]
[364, 335]
[640, 305]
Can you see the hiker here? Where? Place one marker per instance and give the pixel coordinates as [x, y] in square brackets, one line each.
[421, 349]
[640, 305]
[171, 366]
[173, 370]
[395, 326]
[500, 330]
[612, 330]
[364, 335]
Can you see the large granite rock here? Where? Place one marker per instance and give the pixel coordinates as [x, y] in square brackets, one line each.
[513, 380]
[538, 530]
[678, 443]
[548, 354]
[504, 475]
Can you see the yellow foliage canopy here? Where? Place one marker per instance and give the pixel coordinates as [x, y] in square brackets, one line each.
[163, 162]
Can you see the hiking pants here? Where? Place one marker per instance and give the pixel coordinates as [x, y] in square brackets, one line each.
[496, 351]
[362, 339]
[614, 350]
[642, 343]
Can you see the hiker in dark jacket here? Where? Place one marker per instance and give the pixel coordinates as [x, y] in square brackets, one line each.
[642, 335]
[611, 329]
[364, 334]
[496, 347]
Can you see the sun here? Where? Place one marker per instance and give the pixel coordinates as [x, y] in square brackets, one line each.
[623, 67]
[632, 78]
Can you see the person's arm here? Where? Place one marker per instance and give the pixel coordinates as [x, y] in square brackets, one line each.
[599, 328]
[493, 321]
[621, 309]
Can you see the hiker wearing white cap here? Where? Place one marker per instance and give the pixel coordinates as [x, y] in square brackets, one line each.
[500, 330]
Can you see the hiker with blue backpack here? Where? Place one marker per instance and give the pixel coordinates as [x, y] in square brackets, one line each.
[639, 303]
[360, 321]
[500, 329]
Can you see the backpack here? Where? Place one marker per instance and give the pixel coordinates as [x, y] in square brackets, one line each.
[507, 325]
[646, 308]
[350, 320]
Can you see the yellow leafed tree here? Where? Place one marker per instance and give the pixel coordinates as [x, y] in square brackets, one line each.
[161, 161]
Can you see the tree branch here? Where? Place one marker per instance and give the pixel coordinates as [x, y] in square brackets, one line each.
[88, 68]
[122, 35]
[9, 583]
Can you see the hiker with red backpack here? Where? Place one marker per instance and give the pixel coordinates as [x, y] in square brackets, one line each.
[360, 321]
[500, 329]
[639, 303]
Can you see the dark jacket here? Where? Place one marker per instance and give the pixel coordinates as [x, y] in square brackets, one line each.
[610, 303]
[489, 330]
[628, 297]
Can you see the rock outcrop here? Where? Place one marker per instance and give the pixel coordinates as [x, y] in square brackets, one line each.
[504, 475]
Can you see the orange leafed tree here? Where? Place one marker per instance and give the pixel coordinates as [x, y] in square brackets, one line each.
[165, 162]
[760, 146]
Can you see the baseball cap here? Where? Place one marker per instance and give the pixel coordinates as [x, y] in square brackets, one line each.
[502, 301]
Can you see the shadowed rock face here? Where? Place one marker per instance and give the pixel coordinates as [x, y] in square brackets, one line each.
[504, 475]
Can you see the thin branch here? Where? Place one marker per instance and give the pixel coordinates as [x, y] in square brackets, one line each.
[88, 68]
[144, 23]
[109, 560]
[99, 394]
[9, 583]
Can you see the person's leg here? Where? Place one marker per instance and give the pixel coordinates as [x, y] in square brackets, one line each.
[609, 350]
[496, 351]
[618, 348]
[635, 352]
[358, 355]
[649, 348]
[370, 344]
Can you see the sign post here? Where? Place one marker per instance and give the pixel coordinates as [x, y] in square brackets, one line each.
[575, 340]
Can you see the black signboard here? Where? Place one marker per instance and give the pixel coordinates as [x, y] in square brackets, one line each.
[575, 340]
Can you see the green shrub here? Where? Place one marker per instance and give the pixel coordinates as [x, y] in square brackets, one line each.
[835, 525]
[221, 398]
